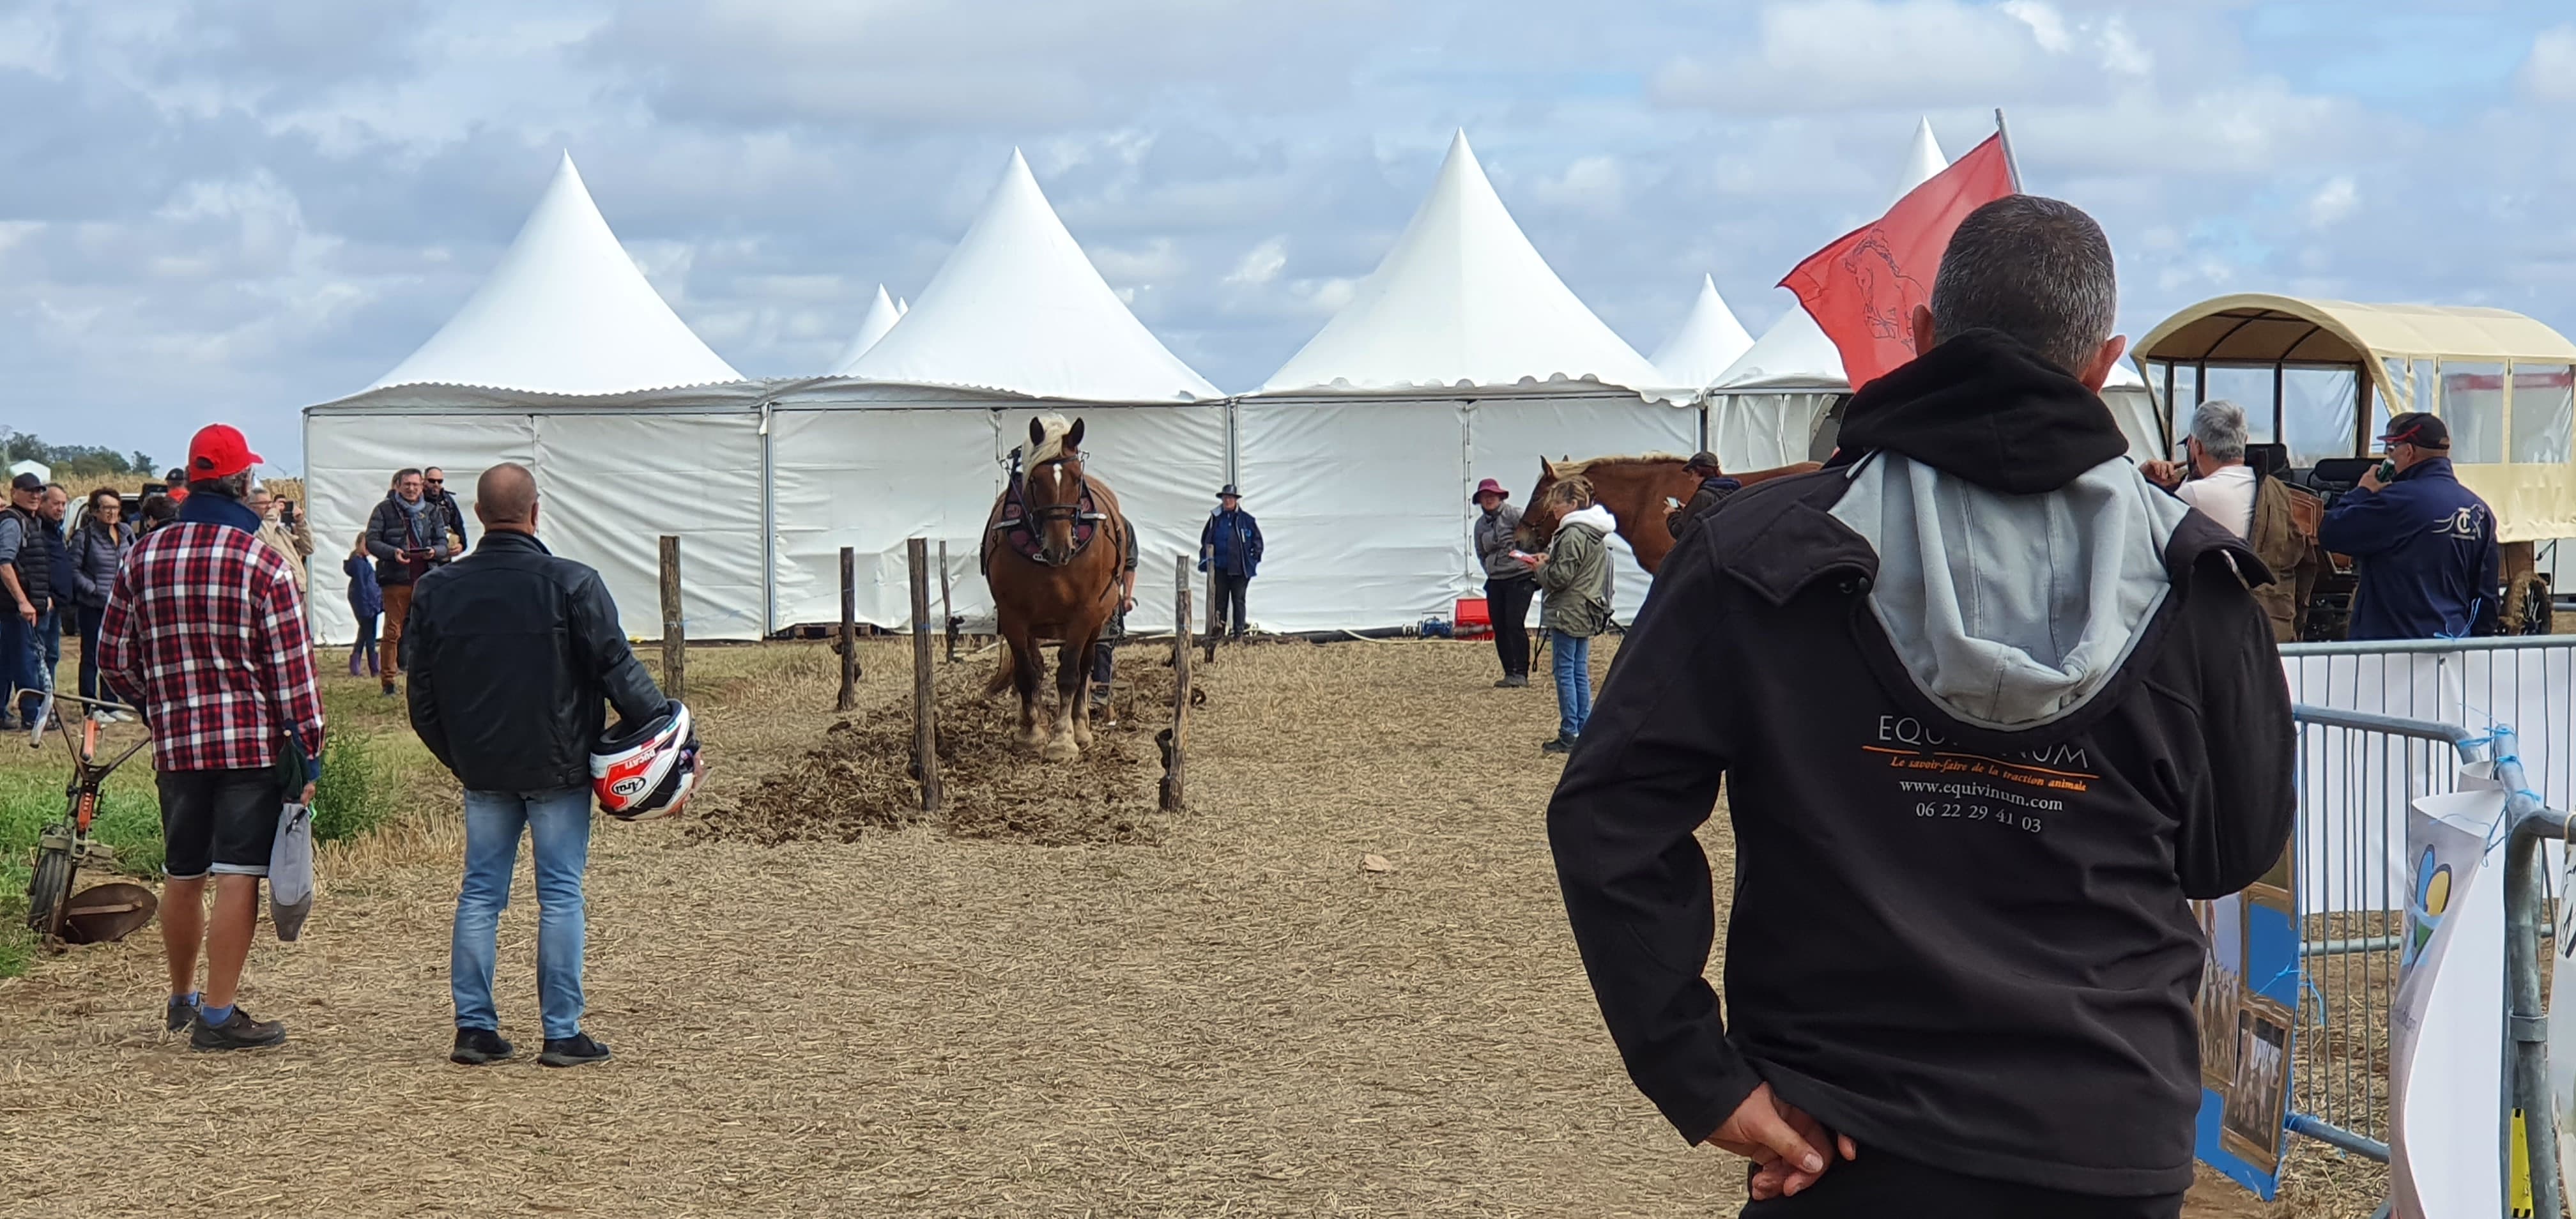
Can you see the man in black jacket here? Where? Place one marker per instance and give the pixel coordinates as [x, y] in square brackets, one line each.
[513, 653]
[1987, 708]
[433, 484]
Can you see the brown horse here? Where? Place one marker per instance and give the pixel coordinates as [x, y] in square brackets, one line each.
[1634, 490]
[1053, 552]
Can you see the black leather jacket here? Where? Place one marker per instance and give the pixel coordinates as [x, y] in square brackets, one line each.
[513, 653]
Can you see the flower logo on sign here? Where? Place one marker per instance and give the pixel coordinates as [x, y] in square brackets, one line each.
[2431, 896]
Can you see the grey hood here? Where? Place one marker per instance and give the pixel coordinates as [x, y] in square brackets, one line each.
[2011, 611]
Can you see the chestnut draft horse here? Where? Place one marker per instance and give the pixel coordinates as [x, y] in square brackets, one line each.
[1634, 490]
[1053, 552]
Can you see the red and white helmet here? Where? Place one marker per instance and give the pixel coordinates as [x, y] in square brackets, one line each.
[645, 773]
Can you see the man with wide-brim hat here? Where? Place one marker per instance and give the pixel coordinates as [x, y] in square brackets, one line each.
[2425, 545]
[1230, 548]
[1509, 586]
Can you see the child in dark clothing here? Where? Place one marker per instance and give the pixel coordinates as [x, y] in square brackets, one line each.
[367, 601]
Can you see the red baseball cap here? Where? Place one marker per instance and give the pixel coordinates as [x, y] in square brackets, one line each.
[219, 451]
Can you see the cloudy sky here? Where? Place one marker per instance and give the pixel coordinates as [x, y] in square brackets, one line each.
[229, 211]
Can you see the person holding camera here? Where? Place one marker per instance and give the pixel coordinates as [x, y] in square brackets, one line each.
[406, 534]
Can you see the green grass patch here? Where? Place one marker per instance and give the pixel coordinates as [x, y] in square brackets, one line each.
[356, 792]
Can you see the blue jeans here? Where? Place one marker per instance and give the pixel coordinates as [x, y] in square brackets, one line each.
[1572, 656]
[49, 641]
[558, 824]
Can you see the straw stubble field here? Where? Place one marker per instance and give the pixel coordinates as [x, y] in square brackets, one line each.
[1096, 1009]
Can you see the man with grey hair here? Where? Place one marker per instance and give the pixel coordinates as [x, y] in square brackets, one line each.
[2215, 479]
[1994, 708]
[2219, 483]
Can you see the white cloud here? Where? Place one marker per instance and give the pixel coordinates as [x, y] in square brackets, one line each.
[2549, 72]
[2333, 201]
[1157, 260]
[1596, 185]
[1858, 53]
[1261, 264]
[2121, 51]
[31, 41]
[2046, 26]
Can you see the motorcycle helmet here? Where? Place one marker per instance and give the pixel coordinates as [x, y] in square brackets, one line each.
[645, 772]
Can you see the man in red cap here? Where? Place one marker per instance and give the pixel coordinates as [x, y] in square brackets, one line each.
[1508, 582]
[204, 633]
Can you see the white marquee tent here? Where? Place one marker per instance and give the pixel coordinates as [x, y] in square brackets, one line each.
[565, 359]
[1709, 342]
[914, 439]
[1461, 357]
[882, 315]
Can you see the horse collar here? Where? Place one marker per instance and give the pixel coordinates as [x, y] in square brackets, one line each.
[1020, 527]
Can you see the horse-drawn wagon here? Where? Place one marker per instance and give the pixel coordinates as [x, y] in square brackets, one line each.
[2319, 379]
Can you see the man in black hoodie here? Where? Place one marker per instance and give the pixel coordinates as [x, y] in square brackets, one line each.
[1988, 708]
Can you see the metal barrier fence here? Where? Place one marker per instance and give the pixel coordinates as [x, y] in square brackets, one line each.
[2358, 774]
[2528, 682]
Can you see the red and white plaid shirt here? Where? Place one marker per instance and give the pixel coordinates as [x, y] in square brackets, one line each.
[205, 633]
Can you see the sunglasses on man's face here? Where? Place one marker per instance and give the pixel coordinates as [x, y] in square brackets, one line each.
[435, 482]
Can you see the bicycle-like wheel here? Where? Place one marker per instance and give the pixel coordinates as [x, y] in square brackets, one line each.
[52, 884]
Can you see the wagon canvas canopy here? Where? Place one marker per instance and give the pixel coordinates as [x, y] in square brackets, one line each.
[2322, 377]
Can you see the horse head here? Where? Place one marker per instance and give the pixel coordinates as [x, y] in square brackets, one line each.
[1052, 485]
[1540, 510]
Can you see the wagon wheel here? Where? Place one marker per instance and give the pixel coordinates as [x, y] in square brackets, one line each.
[51, 885]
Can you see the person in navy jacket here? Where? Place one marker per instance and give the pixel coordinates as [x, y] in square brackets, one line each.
[1230, 546]
[2425, 545]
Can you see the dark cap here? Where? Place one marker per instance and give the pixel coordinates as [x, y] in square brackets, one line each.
[2419, 429]
[26, 482]
[1702, 460]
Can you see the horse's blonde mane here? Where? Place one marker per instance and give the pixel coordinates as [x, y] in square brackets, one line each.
[1576, 469]
[1051, 448]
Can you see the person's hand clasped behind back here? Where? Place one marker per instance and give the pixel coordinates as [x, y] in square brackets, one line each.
[1788, 1146]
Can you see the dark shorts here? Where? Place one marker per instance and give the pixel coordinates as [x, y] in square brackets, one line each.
[221, 821]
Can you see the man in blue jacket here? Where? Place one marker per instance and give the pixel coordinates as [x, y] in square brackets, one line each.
[2425, 545]
[1230, 546]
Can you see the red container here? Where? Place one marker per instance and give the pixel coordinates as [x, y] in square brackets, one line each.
[1474, 618]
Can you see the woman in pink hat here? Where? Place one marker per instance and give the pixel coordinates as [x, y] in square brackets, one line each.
[1508, 582]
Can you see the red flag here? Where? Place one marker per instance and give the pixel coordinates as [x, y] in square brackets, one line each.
[1863, 288]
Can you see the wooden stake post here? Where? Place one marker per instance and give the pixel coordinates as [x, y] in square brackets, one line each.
[1174, 795]
[675, 631]
[925, 711]
[947, 607]
[849, 632]
[1215, 609]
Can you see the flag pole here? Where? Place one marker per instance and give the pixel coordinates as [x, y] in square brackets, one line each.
[2011, 164]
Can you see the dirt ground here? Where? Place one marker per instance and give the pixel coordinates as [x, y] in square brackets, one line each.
[1220, 1012]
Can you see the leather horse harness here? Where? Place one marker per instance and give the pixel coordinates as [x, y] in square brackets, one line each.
[1022, 527]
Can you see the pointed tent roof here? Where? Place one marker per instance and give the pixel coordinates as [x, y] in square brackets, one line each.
[1462, 299]
[1018, 308]
[1794, 352]
[882, 315]
[1710, 339]
[565, 311]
